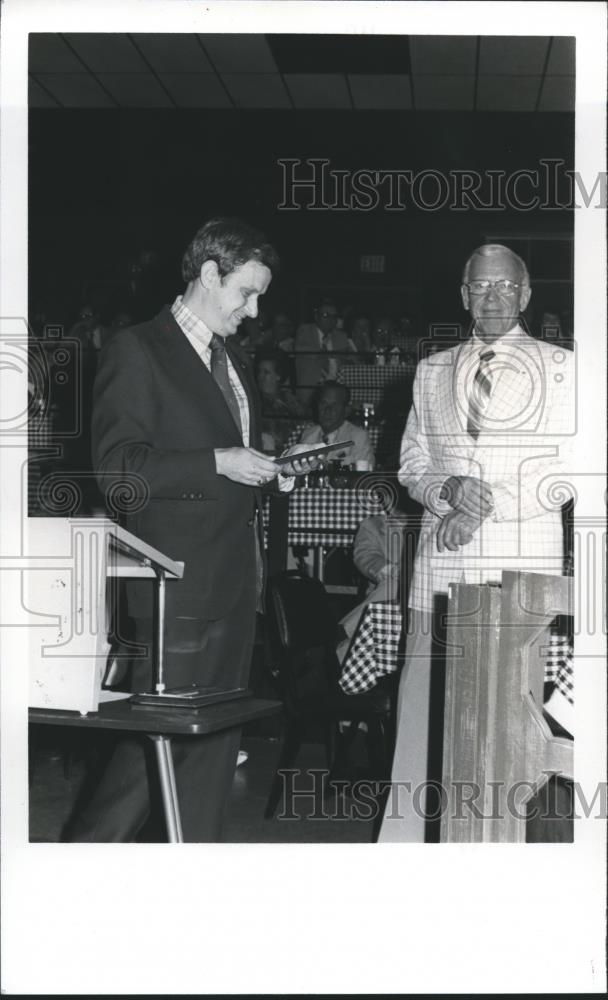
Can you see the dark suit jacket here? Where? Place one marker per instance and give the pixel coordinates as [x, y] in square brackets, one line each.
[159, 414]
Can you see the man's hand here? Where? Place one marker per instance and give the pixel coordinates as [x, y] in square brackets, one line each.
[245, 465]
[455, 530]
[469, 496]
[299, 467]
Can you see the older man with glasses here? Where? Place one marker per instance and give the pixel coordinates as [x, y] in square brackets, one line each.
[489, 429]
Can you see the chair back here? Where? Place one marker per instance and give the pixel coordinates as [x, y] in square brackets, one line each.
[302, 632]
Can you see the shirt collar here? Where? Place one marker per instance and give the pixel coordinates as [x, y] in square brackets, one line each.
[190, 323]
[507, 344]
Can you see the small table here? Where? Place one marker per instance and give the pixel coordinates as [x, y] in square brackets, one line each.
[160, 724]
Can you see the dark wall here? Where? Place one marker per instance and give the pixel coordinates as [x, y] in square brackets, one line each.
[105, 184]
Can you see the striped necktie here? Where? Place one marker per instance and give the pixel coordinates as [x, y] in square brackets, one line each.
[480, 394]
[219, 371]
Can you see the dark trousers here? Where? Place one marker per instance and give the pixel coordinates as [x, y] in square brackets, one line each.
[196, 652]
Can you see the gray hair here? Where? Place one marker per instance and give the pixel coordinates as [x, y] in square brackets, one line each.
[490, 250]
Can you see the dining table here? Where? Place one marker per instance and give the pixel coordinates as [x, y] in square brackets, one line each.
[376, 650]
[321, 517]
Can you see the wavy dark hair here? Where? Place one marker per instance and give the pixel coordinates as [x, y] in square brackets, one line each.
[230, 243]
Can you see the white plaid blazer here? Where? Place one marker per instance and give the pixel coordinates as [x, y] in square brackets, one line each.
[523, 451]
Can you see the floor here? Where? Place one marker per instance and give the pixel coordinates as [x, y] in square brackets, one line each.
[309, 816]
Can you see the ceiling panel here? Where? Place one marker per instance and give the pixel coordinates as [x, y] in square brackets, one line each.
[50, 54]
[557, 94]
[38, 97]
[320, 90]
[239, 53]
[174, 53]
[196, 90]
[257, 90]
[508, 93]
[111, 53]
[76, 90]
[443, 54]
[381, 92]
[508, 55]
[135, 90]
[341, 53]
[444, 93]
[563, 56]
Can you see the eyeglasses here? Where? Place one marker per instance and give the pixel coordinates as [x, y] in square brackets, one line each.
[503, 286]
[328, 315]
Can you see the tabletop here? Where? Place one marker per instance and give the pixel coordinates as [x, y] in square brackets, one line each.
[328, 516]
[121, 715]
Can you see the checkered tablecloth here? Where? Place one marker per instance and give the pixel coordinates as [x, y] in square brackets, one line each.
[330, 516]
[374, 650]
[368, 382]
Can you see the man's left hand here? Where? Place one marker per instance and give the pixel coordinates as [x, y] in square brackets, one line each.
[455, 530]
[299, 467]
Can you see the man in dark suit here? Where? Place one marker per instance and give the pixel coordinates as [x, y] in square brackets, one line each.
[175, 405]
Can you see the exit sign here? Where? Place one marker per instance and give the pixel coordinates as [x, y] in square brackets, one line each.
[372, 263]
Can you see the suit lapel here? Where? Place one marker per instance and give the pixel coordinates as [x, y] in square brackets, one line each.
[178, 356]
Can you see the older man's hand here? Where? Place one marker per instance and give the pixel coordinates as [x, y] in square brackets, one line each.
[456, 530]
[469, 495]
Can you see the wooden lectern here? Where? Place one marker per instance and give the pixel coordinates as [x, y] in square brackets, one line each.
[498, 749]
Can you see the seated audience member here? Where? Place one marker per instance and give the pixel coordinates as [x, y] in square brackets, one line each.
[386, 341]
[377, 553]
[282, 332]
[280, 408]
[360, 334]
[332, 399]
[313, 341]
[253, 332]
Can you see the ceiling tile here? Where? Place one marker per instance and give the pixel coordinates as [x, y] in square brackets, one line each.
[558, 94]
[174, 53]
[320, 90]
[107, 53]
[443, 54]
[50, 54]
[563, 56]
[257, 90]
[443, 93]
[357, 54]
[507, 93]
[38, 97]
[392, 91]
[510, 55]
[135, 90]
[239, 53]
[76, 90]
[196, 90]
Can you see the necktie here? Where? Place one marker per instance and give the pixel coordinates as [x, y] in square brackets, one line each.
[219, 371]
[480, 394]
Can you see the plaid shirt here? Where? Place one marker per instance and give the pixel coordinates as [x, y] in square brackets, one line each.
[199, 335]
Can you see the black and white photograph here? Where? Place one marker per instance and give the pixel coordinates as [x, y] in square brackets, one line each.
[303, 437]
